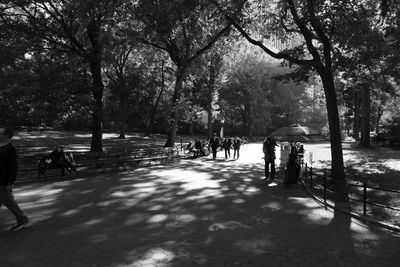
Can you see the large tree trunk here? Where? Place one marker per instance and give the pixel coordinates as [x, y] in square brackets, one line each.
[94, 58]
[97, 118]
[366, 115]
[356, 96]
[337, 169]
[173, 123]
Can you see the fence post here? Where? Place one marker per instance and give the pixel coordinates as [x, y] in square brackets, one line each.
[365, 198]
[325, 189]
[311, 179]
[181, 143]
[306, 172]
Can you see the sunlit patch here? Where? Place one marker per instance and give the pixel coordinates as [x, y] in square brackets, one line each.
[313, 213]
[155, 208]
[185, 218]
[226, 226]
[238, 201]
[93, 221]
[98, 238]
[273, 206]
[155, 257]
[158, 218]
[40, 192]
[70, 212]
[273, 184]
[256, 246]
[135, 219]
[227, 175]
[392, 164]
[361, 230]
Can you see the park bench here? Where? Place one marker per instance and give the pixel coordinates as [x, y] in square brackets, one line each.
[99, 161]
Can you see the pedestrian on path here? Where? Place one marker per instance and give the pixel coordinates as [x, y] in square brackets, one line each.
[214, 144]
[8, 174]
[236, 147]
[269, 157]
[227, 146]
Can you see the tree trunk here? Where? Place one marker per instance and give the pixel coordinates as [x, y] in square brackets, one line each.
[153, 111]
[97, 118]
[365, 116]
[356, 134]
[180, 75]
[337, 168]
[124, 109]
[191, 132]
[209, 121]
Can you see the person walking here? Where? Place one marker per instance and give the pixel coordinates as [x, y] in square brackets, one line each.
[214, 144]
[227, 147]
[236, 147]
[269, 157]
[8, 174]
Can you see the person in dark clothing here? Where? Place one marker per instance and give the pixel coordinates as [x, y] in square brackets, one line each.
[57, 159]
[236, 147]
[269, 157]
[199, 147]
[214, 144]
[8, 174]
[227, 145]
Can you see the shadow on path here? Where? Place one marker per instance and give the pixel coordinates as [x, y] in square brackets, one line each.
[196, 212]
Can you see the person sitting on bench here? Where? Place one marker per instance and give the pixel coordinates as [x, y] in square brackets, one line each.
[57, 159]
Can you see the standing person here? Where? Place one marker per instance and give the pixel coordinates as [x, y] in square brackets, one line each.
[269, 157]
[236, 147]
[214, 144]
[8, 174]
[227, 147]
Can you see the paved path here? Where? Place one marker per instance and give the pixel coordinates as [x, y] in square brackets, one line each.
[196, 213]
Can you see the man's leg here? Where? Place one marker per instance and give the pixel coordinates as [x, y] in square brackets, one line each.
[238, 153]
[266, 168]
[226, 153]
[10, 203]
[272, 169]
[229, 152]
[214, 151]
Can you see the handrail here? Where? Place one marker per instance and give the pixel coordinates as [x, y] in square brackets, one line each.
[310, 177]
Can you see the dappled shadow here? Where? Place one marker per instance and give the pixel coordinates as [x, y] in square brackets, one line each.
[196, 212]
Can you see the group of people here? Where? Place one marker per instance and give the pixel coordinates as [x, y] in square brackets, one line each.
[199, 148]
[227, 144]
[291, 156]
[214, 145]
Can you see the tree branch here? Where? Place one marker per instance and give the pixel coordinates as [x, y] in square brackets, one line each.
[279, 55]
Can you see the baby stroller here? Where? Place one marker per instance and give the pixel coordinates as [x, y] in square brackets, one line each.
[292, 170]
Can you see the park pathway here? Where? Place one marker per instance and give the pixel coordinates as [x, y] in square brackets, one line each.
[190, 213]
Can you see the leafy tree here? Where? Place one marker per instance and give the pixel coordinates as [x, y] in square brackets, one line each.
[71, 26]
[314, 26]
[185, 30]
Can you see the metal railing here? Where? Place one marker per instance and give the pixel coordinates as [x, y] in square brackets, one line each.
[321, 182]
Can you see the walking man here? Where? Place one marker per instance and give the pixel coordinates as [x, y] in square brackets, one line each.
[227, 146]
[8, 174]
[214, 144]
[269, 157]
[236, 147]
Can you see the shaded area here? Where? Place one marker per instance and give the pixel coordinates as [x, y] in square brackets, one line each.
[197, 212]
[379, 167]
